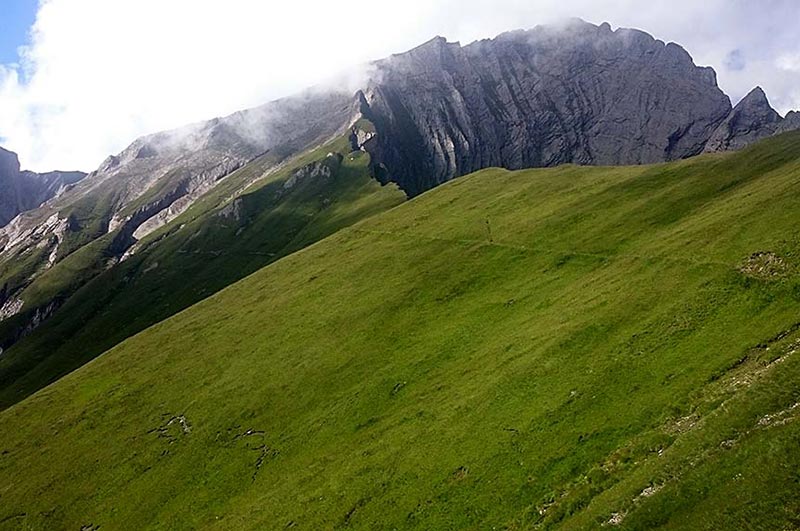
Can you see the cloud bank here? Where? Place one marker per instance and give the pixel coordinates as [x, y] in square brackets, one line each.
[99, 73]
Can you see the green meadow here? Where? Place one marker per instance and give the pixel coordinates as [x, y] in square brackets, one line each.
[566, 348]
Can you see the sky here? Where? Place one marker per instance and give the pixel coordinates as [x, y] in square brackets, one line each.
[16, 18]
[81, 79]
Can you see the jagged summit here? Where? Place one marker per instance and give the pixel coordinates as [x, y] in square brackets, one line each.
[757, 95]
[539, 97]
[751, 120]
[756, 101]
[791, 122]
[434, 43]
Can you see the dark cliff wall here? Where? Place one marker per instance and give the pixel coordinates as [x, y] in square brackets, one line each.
[577, 93]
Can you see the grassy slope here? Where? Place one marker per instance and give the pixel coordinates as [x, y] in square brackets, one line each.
[193, 257]
[425, 369]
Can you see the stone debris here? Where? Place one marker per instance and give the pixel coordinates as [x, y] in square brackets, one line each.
[10, 308]
[616, 518]
[649, 491]
[168, 429]
[780, 418]
[764, 265]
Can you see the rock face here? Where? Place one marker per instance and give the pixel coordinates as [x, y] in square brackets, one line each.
[579, 93]
[26, 190]
[186, 163]
[750, 121]
[160, 175]
[790, 123]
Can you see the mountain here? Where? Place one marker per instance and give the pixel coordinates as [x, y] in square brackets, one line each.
[579, 93]
[574, 93]
[566, 348]
[791, 122]
[91, 226]
[750, 121]
[26, 190]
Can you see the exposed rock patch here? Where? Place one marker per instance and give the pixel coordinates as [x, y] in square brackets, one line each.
[616, 519]
[10, 308]
[32, 320]
[174, 210]
[317, 170]
[232, 210]
[682, 424]
[172, 428]
[764, 265]
[361, 134]
[781, 417]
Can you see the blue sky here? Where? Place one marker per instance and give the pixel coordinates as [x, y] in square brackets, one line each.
[16, 18]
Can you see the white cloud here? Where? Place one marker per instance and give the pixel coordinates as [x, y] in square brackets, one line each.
[789, 62]
[99, 73]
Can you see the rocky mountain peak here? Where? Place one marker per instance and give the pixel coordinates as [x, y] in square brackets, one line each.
[751, 120]
[8, 160]
[26, 190]
[755, 101]
[436, 43]
[791, 122]
[573, 92]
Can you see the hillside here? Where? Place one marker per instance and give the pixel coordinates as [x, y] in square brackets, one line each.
[557, 348]
[252, 218]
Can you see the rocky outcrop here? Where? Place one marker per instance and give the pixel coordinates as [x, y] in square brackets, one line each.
[579, 93]
[750, 121]
[321, 170]
[9, 172]
[186, 163]
[16, 234]
[31, 322]
[791, 122]
[26, 190]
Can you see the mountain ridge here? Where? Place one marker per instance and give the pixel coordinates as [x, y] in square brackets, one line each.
[575, 93]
